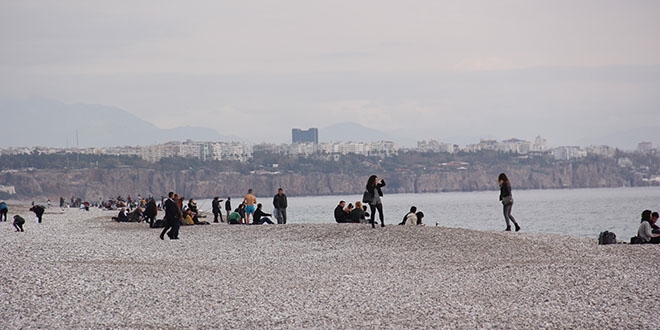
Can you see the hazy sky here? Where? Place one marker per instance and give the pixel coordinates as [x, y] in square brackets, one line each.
[565, 70]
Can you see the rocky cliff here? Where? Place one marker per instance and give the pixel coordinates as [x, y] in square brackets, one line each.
[92, 184]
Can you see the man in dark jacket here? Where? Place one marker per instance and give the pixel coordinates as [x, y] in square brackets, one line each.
[217, 210]
[341, 216]
[280, 204]
[151, 212]
[228, 206]
[19, 222]
[172, 215]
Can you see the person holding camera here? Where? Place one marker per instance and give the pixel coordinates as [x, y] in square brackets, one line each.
[374, 185]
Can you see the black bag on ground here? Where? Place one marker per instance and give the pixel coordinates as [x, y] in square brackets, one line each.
[159, 224]
[606, 237]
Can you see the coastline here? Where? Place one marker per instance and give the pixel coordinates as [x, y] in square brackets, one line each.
[79, 269]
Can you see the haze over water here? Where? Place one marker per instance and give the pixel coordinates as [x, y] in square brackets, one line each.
[577, 212]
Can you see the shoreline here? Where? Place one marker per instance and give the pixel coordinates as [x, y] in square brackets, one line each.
[80, 269]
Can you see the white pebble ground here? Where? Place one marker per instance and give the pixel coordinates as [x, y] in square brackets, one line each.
[81, 270]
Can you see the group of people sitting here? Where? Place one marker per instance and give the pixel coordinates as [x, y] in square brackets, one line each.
[352, 213]
[413, 218]
[238, 217]
[359, 214]
[648, 231]
[188, 213]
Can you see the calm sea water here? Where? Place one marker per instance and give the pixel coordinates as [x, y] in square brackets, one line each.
[577, 212]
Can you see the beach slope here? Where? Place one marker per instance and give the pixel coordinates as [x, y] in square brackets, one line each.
[81, 270]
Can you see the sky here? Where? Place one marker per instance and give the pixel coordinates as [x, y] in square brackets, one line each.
[566, 70]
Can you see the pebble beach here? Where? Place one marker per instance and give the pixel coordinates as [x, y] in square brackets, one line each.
[81, 270]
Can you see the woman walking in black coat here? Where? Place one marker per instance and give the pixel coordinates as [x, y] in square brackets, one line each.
[373, 188]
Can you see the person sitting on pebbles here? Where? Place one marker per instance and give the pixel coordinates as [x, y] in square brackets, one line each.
[645, 231]
[188, 218]
[19, 222]
[122, 216]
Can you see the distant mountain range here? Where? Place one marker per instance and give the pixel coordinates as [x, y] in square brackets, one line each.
[47, 123]
[53, 124]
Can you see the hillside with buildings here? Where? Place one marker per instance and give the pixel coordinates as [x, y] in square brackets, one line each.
[207, 169]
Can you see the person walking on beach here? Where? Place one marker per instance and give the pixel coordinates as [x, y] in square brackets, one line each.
[250, 202]
[172, 215]
[151, 211]
[3, 211]
[507, 201]
[374, 185]
[280, 204]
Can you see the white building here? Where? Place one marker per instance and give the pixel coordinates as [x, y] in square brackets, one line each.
[435, 146]
[645, 147]
[568, 153]
[601, 150]
[303, 149]
[230, 151]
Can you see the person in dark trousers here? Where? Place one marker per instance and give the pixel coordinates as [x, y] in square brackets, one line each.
[507, 201]
[151, 211]
[172, 218]
[261, 217]
[374, 185]
[280, 204]
[3, 211]
[19, 222]
[39, 211]
[217, 210]
[228, 206]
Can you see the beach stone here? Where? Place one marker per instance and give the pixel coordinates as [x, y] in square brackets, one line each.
[80, 269]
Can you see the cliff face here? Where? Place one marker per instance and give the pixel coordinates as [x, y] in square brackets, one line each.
[92, 184]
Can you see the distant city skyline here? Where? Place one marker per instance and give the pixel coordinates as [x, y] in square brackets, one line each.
[575, 72]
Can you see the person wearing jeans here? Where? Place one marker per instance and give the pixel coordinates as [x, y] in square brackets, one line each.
[507, 201]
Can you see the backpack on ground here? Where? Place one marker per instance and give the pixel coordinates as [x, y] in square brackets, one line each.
[606, 237]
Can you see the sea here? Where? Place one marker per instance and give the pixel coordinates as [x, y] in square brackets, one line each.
[575, 212]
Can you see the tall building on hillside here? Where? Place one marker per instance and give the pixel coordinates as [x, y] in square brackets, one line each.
[309, 136]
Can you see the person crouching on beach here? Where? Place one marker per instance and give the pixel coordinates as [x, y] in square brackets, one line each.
[19, 222]
[39, 211]
[507, 200]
